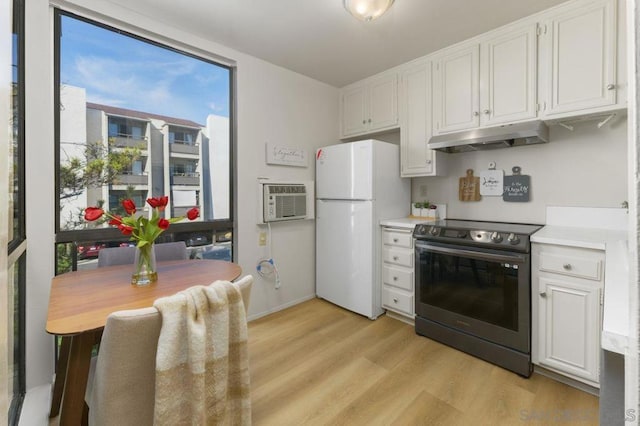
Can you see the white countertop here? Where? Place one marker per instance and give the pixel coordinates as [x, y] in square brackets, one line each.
[405, 222]
[615, 323]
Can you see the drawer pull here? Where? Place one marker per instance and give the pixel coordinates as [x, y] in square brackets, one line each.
[395, 257]
[395, 278]
[395, 300]
[395, 240]
[543, 294]
[567, 266]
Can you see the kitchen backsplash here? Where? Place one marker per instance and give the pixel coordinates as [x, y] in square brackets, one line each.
[586, 167]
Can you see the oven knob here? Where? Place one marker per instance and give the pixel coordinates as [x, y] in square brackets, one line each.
[434, 231]
[513, 239]
[495, 237]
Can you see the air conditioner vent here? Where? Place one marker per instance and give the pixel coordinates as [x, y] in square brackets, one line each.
[284, 202]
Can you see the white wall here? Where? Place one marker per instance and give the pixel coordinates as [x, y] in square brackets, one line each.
[586, 168]
[273, 104]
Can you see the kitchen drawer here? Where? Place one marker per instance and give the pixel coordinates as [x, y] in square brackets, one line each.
[399, 256]
[398, 277]
[398, 238]
[588, 267]
[397, 300]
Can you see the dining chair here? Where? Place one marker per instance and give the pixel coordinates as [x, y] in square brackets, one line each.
[121, 388]
[111, 256]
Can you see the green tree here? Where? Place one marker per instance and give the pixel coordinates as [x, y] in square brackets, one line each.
[100, 165]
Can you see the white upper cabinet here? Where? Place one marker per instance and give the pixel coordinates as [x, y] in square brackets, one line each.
[580, 55]
[415, 123]
[489, 82]
[456, 89]
[369, 106]
[508, 83]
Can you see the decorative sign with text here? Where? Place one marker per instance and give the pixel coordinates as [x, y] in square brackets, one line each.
[469, 187]
[286, 156]
[517, 188]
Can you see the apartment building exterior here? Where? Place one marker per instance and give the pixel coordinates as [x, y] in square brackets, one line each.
[177, 157]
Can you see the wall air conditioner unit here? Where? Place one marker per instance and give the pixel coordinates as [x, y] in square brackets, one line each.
[283, 201]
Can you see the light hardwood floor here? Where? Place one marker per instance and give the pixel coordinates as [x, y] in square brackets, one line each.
[318, 364]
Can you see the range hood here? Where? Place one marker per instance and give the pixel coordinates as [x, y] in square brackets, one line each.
[506, 136]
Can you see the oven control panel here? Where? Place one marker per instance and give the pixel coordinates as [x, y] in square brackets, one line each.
[490, 239]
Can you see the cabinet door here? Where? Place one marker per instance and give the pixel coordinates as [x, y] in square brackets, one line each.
[383, 102]
[415, 126]
[581, 57]
[508, 76]
[569, 325]
[456, 90]
[354, 111]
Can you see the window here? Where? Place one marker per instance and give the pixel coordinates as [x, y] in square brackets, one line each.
[15, 311]
[134, 127]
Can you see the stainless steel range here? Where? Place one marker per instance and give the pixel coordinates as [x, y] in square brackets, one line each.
[473, 289]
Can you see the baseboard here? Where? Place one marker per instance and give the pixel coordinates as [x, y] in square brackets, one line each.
[566, 380]
[280, 308]
[401, 318]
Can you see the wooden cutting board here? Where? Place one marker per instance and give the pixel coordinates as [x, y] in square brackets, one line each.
[469, 188]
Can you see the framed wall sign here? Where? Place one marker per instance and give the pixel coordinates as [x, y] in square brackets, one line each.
[285, 155]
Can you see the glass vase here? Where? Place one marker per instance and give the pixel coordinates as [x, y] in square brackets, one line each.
[144, 266]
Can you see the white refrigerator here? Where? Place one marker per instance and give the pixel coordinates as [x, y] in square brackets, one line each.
[357, 185]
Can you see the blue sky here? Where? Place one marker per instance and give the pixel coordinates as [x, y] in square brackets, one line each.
[124, 72]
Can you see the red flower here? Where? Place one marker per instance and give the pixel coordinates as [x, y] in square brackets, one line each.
[129, 206]
[93, 213]
[125, 229]
[116, 221]
[193, 213]
[163, 223]
[158, 202]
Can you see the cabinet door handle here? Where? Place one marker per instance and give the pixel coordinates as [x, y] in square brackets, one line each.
[567, 266]
[395, 240]
[364, 121]
[395, 278]
[428, 161]
[486, 111]
[395, 257]
[543, 294]
[476, 113]
[395, 300]
[611, 86]
[369, 120]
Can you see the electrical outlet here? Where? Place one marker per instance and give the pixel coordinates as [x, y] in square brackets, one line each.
[423, 190]
[262, 239]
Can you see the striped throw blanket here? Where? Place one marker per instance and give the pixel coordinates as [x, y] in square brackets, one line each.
[202, 364]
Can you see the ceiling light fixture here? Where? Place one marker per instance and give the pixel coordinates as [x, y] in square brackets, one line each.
[367, 10]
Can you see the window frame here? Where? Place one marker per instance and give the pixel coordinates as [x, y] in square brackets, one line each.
[102, 234]
[16, 247]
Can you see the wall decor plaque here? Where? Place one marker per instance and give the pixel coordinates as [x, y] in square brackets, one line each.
[469, 187]
[491, 181]
[517, 188]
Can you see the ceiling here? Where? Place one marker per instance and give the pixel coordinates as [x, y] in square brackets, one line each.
[318, 38]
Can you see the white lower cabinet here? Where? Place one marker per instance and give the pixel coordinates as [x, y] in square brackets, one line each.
[397, 271]
[567, 289]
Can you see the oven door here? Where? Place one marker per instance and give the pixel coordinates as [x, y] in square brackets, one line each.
[485, 293]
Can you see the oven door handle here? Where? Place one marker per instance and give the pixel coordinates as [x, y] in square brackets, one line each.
[480, 255]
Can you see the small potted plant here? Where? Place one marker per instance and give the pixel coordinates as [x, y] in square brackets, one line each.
[415, 208]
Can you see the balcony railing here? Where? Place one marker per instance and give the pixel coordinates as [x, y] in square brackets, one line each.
[122, 140]
[190, 179]
[180, 211]
[128, 178]
[183, 147]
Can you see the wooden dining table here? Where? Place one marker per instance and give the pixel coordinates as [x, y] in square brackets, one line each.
[81, 301]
